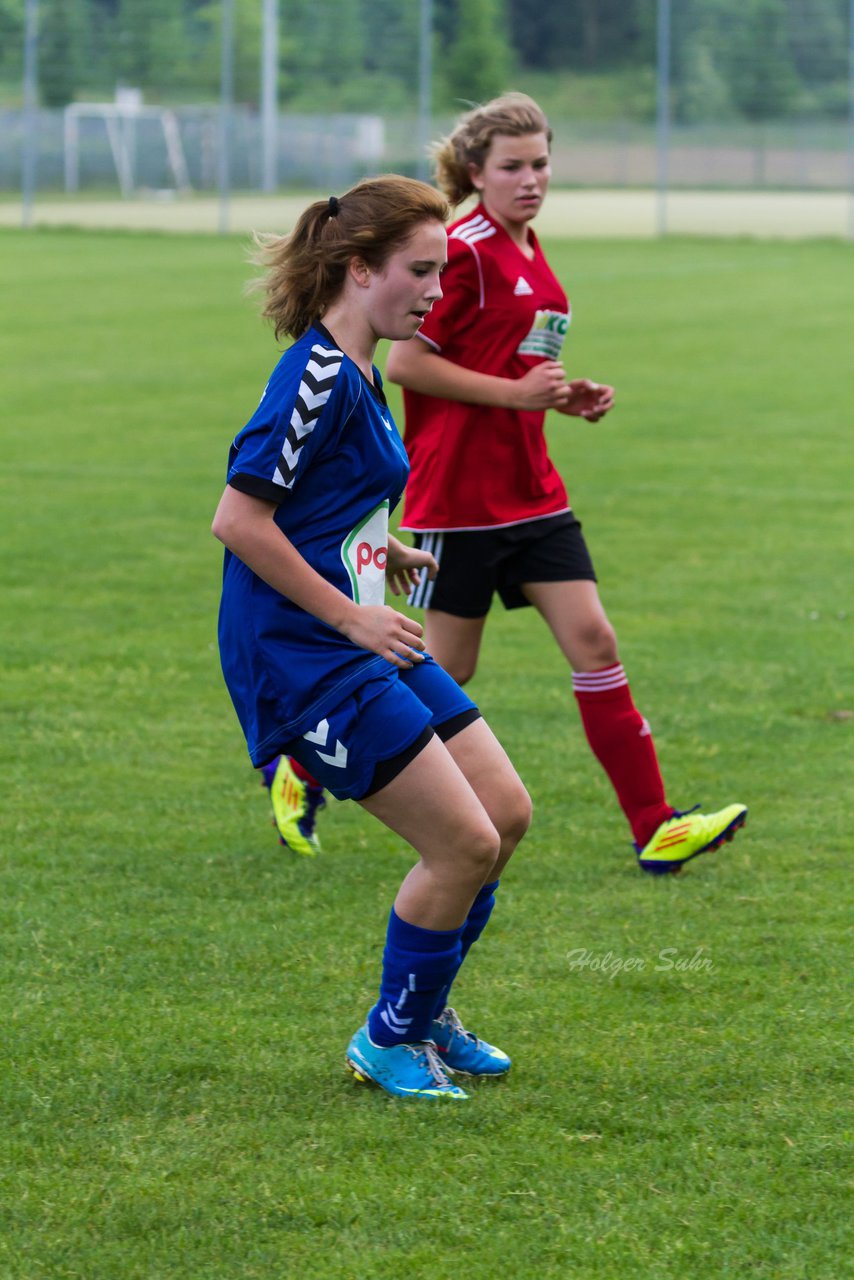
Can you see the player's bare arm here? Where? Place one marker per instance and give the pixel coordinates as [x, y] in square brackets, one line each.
[246, 526]
[416, 366]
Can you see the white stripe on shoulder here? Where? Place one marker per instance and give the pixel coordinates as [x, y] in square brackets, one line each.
[477, 228]
[475, 219]
[482, 235]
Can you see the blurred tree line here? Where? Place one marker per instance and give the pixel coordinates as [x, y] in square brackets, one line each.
[732, 59]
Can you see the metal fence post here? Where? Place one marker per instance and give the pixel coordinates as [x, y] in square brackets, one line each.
[851, 120]
[226, 99]
[662, 131]
[269, 76]
[425, 88]
[31, 106]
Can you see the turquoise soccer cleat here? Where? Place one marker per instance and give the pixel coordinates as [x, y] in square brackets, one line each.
[686, 835]
[462, 1051]
[404, 1070]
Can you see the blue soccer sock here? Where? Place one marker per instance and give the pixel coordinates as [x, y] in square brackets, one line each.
[475, 923]
[418, 964]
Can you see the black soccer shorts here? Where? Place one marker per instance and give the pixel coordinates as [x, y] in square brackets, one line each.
[474, 564]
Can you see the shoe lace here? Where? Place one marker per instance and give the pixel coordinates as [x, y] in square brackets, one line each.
[451, 1019]
[683, 813]
[428, 1051]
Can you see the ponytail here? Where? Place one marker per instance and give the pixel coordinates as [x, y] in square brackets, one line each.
[512, 115]
[305, 271]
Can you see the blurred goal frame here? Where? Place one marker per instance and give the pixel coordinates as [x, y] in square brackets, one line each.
[120, 121]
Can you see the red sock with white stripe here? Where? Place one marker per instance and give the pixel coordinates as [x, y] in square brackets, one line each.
[621, 741]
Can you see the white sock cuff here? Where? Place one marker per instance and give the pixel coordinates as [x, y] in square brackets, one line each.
[599, 681]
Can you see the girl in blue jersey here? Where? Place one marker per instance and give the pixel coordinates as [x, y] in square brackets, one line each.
[318, 667]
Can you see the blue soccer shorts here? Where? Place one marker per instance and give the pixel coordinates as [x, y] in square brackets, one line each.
[366, 740]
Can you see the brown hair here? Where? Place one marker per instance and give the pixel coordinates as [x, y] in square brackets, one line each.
[512, 115]
[306, 269]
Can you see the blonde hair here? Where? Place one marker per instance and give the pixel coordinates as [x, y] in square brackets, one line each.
[306, 269]
[512, 115]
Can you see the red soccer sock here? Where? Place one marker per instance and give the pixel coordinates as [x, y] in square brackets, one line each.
[621, 741]
[303, 774]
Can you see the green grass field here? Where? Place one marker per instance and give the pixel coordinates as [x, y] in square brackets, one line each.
[177, 994]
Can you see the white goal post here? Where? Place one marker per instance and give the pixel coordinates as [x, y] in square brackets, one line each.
[120, 121]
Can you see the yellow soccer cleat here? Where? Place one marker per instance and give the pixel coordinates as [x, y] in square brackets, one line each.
[686, 835]
[295, 805]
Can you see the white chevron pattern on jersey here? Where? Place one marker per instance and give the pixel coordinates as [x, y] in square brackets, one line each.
[315, 389]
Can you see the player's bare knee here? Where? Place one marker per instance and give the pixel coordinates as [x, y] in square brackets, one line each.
[460, 670]
[598, 643]
[522, 813]
[482, 849]
[514, 819]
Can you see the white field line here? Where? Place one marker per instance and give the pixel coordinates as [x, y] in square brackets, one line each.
[567, 214]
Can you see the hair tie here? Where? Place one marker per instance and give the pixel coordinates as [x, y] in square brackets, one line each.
[334, 206]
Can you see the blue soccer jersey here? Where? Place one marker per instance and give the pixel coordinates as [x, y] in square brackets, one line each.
[322, 446]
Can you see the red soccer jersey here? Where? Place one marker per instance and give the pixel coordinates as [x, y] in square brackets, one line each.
[475, 467]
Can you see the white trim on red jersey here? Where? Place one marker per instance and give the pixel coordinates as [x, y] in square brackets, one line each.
[471, 233]
[483, 528]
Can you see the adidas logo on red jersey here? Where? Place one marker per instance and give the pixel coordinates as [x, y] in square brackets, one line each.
[522, 288]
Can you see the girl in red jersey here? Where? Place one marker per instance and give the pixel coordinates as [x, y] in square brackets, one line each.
[483, 495]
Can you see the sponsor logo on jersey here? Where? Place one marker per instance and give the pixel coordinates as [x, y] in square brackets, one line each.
[522, 288]
[546, 335]
[365, 555]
